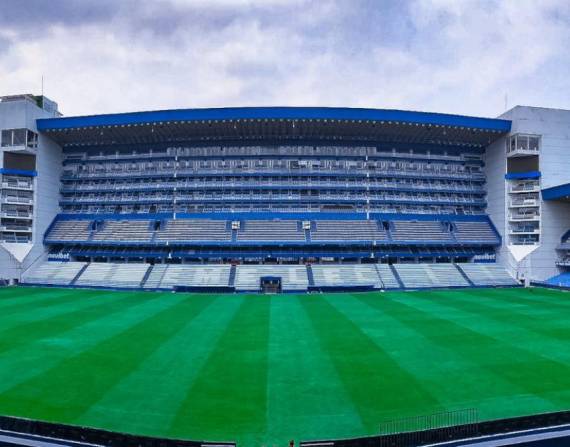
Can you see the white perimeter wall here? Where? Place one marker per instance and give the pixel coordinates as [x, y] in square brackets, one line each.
[495, 169]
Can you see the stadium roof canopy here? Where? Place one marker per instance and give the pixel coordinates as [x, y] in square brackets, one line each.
[275, 123]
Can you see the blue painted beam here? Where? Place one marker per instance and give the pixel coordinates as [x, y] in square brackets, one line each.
[523, 175]
[297, 113]
[21, 172]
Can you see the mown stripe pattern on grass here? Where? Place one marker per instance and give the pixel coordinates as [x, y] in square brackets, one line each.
[264, 369]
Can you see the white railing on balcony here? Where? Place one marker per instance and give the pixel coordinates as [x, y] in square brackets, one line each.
[523, 203]
[16, 200]
[17, 186]
[524, 188]
[18, 228]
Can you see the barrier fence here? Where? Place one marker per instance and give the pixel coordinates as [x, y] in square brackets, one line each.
[450, 426]
[446, 419]
[28, 432]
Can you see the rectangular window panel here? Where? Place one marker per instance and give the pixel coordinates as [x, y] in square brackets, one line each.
[6, 138]
[32, 139]
[18, 137]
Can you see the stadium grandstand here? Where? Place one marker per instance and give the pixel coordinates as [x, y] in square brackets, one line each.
[283, 200]
[307, 196]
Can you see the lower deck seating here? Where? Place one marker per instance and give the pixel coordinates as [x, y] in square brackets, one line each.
[346, 275]
[113, 275]
[155, 277]
[293, 277]
[416, 276]
[448, 275]
[187, 275]
[431, 275]
[488, 274]
[387, 277]
[53, 273]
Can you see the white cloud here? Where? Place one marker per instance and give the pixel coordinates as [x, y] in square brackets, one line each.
[457, 57]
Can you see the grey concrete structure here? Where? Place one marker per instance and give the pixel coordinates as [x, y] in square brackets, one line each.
[30, 166]
[531, 234]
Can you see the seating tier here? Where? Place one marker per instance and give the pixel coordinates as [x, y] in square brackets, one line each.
[270, 230]
[348, 230]
[423, 231]
[346, 275]
[488, 275]
[124, 230]
[53, 273]
[480, 232]
[70, 230]
[248, 277]
[193, 275]
[193, 230]
[293, 277]
[113, 275]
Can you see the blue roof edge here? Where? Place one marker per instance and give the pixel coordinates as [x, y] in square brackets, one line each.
[556, 192]
[235, 113]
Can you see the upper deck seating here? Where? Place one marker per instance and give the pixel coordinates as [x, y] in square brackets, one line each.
[183, 230]
[102, 274]
[348, 230]
[124, 231]
[270, 230]
[53, 273]
[70, 230]
[194, 275]
[488, 274]
[421, 231]
[346, 275]
[475, 232]
[293, 277]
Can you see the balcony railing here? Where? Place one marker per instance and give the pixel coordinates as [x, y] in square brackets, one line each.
[525, 230]
[524, 188]
[19, 186]
[16, 200]
[16, 215]
[18, 228]
[524, 203]
[13, 238]
[359, 172]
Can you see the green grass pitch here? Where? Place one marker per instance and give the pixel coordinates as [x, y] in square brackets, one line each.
[261, 370]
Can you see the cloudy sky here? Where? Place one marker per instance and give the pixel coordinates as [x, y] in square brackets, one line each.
[455, 56]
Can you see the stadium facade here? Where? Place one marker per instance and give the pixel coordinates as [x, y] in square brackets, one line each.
[296, 198]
